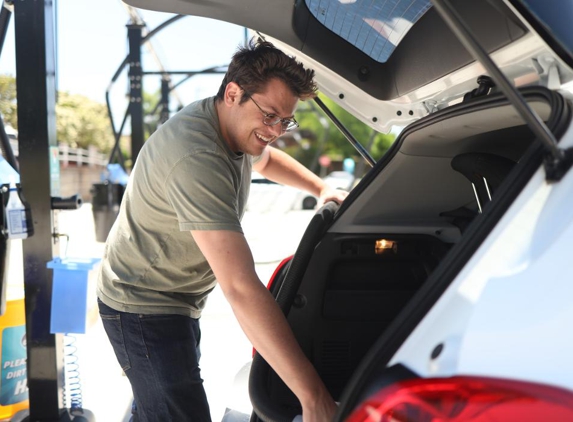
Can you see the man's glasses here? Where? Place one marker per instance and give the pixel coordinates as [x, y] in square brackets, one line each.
[273, 119]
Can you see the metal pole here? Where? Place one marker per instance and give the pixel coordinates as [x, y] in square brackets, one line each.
[5, 15]
[35, 82]
[164, 115]
[134, 33]
[116, 151]
[361, 150]
[122, 66]
[6, 147]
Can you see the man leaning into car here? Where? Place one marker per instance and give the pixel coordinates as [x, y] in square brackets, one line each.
[193, 175]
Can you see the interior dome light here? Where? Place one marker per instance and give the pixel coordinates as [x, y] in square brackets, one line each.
[383, 245]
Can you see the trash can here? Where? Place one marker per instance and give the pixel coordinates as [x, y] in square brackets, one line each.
[106, 198]
[70, 294]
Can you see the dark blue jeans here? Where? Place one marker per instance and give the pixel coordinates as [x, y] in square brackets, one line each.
[160, 356]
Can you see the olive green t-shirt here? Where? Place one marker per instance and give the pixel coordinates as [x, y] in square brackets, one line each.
[186, 178]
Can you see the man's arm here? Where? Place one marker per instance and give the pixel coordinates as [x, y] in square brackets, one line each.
[280, 167]
[263, 321]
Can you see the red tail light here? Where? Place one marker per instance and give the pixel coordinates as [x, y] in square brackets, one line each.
[468, 399]
[278, 270]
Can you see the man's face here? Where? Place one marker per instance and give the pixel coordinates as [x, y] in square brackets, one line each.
[248, 133]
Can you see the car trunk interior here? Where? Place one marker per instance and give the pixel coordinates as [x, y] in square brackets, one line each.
[399, 223]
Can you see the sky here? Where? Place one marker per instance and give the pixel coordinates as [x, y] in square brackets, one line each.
[92, 43]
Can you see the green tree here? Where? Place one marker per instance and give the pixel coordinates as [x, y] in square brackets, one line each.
[82, 122]
[151, 111]
[327, 140]
[8, 100]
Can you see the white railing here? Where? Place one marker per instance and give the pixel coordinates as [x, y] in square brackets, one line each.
[78, 156]
[91, 156]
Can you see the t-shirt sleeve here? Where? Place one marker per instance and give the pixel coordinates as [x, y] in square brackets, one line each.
[201, 189]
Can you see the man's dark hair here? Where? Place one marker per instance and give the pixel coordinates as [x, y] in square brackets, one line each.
[259, 62]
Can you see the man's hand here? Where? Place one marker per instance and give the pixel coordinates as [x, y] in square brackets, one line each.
[322, 410]
[329, 194]
[279, 167]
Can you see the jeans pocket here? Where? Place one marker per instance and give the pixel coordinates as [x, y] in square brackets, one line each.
[112, 326]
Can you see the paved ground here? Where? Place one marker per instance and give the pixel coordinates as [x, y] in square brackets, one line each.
[273, 235]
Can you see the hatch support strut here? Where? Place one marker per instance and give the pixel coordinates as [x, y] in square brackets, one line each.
[361, 150]
[558, 161]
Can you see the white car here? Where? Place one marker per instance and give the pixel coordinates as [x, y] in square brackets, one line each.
[441, 289]
[340, 180]
[268, 196]
[336, 180]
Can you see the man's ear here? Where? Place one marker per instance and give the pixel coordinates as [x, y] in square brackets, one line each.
[233, 94]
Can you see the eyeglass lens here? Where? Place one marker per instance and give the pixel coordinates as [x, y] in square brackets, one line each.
[272, 120]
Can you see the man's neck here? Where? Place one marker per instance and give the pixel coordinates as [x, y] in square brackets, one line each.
[223, 118]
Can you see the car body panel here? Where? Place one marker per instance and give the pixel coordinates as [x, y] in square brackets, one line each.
[417, 80]
[498, 317]
[430, 189]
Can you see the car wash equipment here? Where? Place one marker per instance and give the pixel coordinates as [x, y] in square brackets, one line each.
[17, 216]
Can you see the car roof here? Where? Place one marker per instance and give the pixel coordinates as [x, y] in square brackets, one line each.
[428, 69]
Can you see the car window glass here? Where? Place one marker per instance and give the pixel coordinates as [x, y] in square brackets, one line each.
[382, 25]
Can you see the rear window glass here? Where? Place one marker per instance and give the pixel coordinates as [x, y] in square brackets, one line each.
[375, 27]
